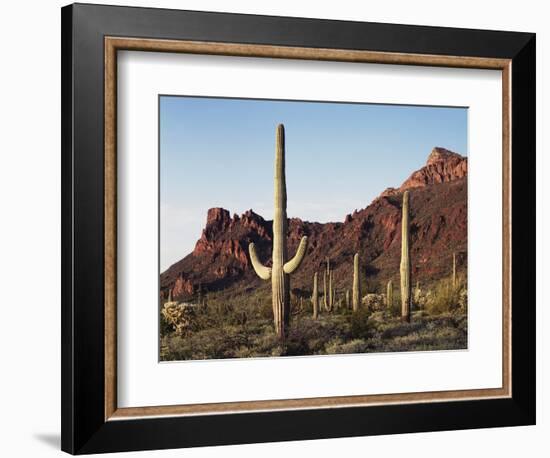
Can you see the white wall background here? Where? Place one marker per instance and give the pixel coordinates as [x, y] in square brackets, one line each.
[30, 226]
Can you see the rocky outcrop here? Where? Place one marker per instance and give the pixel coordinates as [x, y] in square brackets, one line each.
[442, 166]
[182, 286]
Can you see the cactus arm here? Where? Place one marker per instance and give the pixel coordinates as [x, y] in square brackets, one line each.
[262, 271]
[295, 262]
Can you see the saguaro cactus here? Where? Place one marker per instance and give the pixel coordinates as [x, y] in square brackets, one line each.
[347, 299]
[405, 268]
[454, 271]
[325, 290]
[315, 297]
[389, 295]
[356, 297]
[328, 293]
[417, 293]
[330, 290]
[281, 266]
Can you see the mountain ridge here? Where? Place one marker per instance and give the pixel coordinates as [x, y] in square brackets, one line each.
[438, 228]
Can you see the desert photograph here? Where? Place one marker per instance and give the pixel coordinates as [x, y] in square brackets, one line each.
[301, 228]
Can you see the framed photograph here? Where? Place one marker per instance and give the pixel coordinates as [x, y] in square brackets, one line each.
[282, 228]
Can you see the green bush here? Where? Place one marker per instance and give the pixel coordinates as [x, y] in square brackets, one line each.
[337, 347]
[443, 298]
[165, 327]
[359, 323]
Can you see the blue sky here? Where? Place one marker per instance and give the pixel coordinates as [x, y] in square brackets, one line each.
[217, 152]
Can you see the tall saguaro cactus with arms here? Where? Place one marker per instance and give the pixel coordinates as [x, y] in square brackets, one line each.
[281, 268]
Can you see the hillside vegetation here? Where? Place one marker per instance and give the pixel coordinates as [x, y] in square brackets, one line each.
[231, 325]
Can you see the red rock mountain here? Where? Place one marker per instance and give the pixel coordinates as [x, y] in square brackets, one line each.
[438, 205]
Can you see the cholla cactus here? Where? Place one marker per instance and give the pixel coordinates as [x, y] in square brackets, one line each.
[315, 297]
[405, 268]
[389, 295]
[179, 316]
[280, 272]
[356, 297]
[374, 302]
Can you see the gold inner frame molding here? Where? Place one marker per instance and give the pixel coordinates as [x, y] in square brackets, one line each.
[114, 44]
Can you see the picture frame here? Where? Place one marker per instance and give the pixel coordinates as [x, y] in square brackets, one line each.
[92, 35]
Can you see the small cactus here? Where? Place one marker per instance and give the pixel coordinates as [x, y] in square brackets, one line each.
[356, 298]
[315, 297]
[199, 294]
[417, 292]
[389, 295]
[325, 291]
[328, 292]
[282, 268]
[454, 271]
[348, 302]
[405, 267]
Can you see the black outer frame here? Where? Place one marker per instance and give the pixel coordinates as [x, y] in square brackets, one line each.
[84, 429]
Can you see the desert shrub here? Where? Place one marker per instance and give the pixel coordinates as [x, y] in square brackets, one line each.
[375, 302]
[332, 345]
[238, 318]
[395, 309]
[265, 342]
[443, 298]
[307, 336]
[296, 345]
[338, 347]
[165, 326]
[400, 329]
[243, 352]
[380, 316]
[463, 300]
[359, 323]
